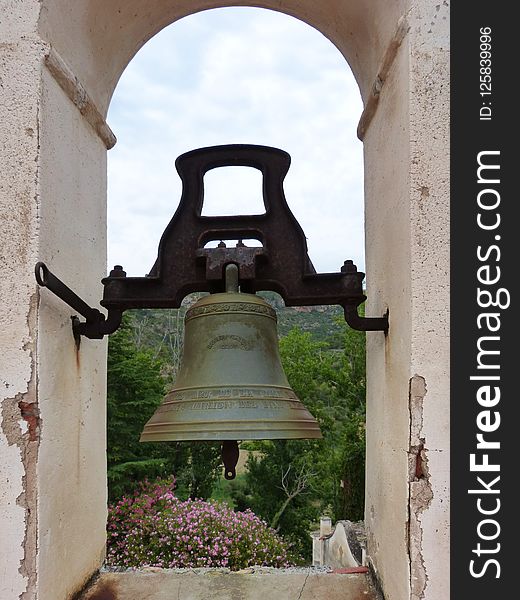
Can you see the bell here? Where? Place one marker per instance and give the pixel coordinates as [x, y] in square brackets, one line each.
[231, 384]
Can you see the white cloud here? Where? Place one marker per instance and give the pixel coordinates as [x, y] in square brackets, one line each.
[237, 76]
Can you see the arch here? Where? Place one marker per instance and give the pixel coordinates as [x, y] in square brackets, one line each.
[102, 37]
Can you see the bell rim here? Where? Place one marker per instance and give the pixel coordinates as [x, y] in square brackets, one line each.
[230, 438]
[231, 429]
[219, 436]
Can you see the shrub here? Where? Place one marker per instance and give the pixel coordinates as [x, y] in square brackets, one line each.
[154, 528]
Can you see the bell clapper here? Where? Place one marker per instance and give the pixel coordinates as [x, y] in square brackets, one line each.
[230, 455]
[230, 450]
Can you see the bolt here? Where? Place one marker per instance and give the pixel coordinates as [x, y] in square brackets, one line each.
[349, 267]
[117, 271]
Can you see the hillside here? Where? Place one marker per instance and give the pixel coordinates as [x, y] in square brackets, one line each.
[162, 330]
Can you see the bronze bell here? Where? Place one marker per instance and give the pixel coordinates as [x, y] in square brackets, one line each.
[231, 384]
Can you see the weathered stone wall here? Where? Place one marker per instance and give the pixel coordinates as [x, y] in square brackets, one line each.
[52, 429]
[388, 254]
[407, 238]
[21, 53]
[71, 381]
[430, 271]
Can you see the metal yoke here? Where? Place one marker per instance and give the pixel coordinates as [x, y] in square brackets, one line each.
[184, 265]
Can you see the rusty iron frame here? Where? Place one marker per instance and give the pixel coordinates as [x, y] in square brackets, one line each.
[185, 265]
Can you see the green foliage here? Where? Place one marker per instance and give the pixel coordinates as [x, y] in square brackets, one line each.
[198, 473]
[274, 478]
[233, 492]
[135, 388]
[291, 483]
[350, 498]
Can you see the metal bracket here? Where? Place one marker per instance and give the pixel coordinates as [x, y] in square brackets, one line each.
[96, 325]
[185, 265]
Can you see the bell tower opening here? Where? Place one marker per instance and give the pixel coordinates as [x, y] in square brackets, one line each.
[236, 77]
[61, 62]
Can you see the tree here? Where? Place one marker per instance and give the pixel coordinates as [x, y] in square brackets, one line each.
[282, 484]
[135, 388]
[349, 498]
[292, 482]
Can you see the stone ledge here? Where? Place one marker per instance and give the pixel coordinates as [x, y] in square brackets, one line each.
[248, 584]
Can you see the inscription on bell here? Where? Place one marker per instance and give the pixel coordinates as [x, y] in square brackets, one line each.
[212, 405]
[238, 392]
[226, 404]
[229, 342]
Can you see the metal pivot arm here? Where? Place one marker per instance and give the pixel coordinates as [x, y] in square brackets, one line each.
[365, 323]
[96, 325]
[350, 310]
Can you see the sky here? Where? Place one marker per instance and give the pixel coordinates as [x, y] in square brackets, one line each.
[236, 75]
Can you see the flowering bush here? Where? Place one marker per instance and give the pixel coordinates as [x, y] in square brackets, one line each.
[154, 528]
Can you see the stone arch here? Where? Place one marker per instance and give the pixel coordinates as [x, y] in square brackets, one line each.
[102, 37]
[61, 61]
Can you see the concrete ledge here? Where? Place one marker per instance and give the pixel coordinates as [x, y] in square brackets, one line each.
[212, 584]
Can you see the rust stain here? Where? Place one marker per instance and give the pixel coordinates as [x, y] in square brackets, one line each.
[420, 460]
[30, 414]
[105, 590]
[348, 570]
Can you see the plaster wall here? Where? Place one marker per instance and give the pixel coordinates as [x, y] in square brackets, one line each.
[72, 458]
[387, 240]
[99, 38]
[430, 261]
[407, 233]
[20, 62]
[52, 429]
